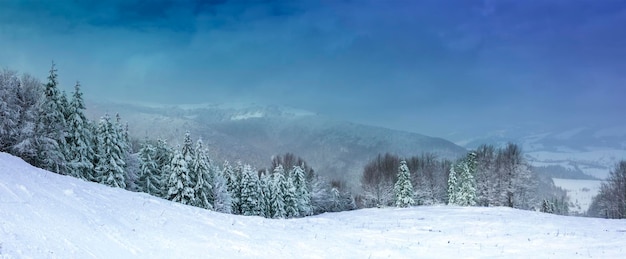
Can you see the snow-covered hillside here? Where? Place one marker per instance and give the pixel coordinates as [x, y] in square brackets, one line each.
[48, 215]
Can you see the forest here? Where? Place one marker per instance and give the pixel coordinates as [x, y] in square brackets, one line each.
[49, 130]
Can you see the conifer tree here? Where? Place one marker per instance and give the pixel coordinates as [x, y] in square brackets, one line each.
[291, 201]
[250, 192]
[265, 182]
[150, 180]
[277, 197]
[50, 129]
[200, 174]
[302, 191]
[80, 150]
[452, 186]
[403, 189]
[110, 167]
[180, 187]
[461, 183]
[233, 182]
[9, 109]
[222, 202]
[163, 158]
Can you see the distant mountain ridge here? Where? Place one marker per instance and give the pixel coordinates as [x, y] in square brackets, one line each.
[594, 150]
[254, 133]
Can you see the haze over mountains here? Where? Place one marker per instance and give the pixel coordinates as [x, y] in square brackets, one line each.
[255, 133]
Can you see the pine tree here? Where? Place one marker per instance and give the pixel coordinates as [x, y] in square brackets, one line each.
[29, 98]
[452, 186]
[233, 182]
[9, 109]
[110, 167]
[302, 191]
[150, 180]
[290, 198]
[50, 129]
[163, 157]
[250, 192]
[403, 189]
[80, 151]
[265, 182]
[222, 202]
[462, 191]
[277, 197]
[200, 174]
[180, 187]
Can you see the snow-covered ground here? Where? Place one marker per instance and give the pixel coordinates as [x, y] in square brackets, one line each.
[45, 215]
[580, 192]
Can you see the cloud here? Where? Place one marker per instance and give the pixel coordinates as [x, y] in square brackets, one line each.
[381, 62]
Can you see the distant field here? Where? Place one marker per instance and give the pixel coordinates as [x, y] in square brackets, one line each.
[581, 192]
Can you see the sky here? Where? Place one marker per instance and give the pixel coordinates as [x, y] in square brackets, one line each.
[434, 67]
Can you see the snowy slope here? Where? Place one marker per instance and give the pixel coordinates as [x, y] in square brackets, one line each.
[47, 215]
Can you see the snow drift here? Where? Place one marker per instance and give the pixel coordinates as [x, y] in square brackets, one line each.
[43, 214]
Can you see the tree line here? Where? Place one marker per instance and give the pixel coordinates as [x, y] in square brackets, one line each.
[47, 129]
[487, 176]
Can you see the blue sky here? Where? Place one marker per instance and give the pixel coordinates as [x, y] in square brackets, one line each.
[433, 67]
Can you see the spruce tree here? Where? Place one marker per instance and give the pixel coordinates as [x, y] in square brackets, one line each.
[466, 194]
[163, 158]
[150, 180]
[200, 174]
[222, 201]
[110, 167]
[302, 191]
[403, 189]
[250, 192]
[265, 182]
[80, 150]
[50, 129]
[180, 187]
[233, 182]
[277, 197]
[291, 200]
[452, 185]
[9, 109]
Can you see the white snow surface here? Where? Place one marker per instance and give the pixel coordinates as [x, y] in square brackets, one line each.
[580, 192]
[45, 215]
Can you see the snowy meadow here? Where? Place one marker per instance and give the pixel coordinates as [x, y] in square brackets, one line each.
[43, 214]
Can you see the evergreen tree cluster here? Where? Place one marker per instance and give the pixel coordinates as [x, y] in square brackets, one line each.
[279, 194]
[484, 177]
[40, 125]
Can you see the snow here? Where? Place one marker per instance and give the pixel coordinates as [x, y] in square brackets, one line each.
[580, 192]
[48, 215]
[248, 115]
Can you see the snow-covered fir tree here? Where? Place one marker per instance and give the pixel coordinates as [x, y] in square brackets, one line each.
[110, 167]
[233, 182]
[150, 180]
[222, 202]
[29, 99]
[277, 196]
[290, 198]
[200, 174]
[163, 158]
[452, 185]
[50, 129]
[265, 181]
[462, 190]
[250, 205]
[80, 151]
[9, 109]
[403, 189]
[180, 187]
[302, 191]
